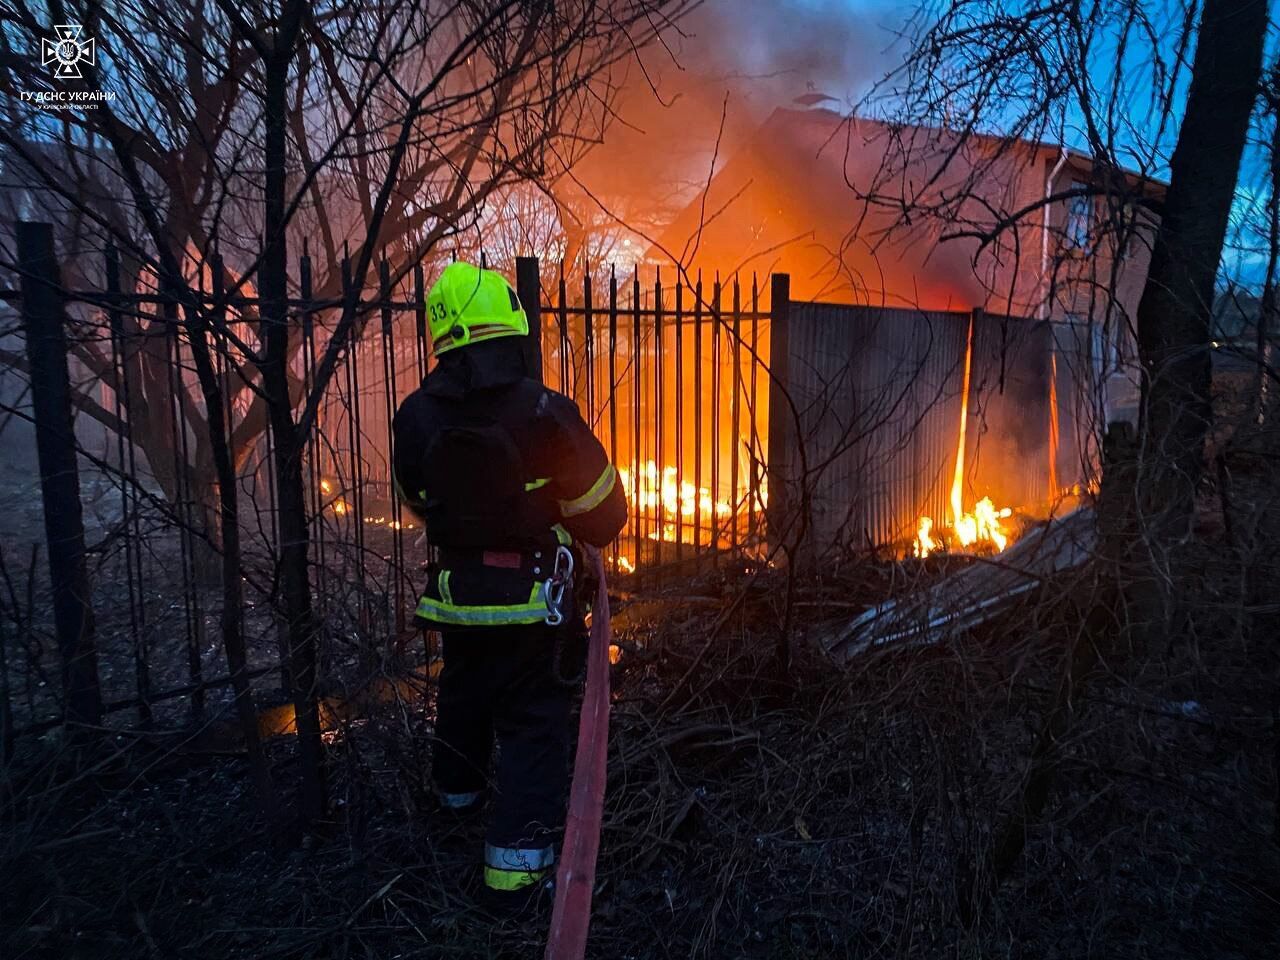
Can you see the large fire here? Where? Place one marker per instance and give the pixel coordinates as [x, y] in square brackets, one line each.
[663, 494]
[678, 511]
[982, 527]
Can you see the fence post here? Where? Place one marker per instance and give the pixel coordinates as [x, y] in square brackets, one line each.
[43, 317]
[529, 290]
[6, 709]
[778, 510]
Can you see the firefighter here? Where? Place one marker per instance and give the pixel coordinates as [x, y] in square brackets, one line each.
[509, 482]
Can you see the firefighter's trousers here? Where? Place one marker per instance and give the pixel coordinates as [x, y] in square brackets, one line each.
[499, 682]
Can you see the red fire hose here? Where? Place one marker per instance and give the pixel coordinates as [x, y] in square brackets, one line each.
[571, 914]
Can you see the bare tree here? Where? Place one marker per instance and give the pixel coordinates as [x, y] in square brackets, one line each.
[1174, 316]
[237, 134]
[984, 91]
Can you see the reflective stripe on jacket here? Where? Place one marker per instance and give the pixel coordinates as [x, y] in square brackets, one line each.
[488, 588]
[439, 607]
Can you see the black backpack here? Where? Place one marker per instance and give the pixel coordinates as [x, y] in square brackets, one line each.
[474, 489]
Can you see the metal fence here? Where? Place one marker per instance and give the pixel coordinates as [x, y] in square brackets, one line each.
[674, 381]
[675, 378]
[671, 378]
[878, 396]
[148, 485]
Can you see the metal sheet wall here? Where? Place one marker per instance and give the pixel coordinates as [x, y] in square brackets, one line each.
[878, 397]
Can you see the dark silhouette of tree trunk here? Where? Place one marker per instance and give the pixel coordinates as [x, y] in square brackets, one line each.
[1175, 313]
[1264, 389]
[232, 592]
[43, 318]
[288, 440]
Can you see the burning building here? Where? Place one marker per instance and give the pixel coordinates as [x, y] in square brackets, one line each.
[916, 387]
[959, 323]
[866, 213]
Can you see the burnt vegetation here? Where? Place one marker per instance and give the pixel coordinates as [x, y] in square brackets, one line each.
[825, 741]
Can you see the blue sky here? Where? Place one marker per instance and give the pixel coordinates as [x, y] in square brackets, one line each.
[841, 47]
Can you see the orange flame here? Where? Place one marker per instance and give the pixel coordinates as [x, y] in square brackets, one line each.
[925, 544]
[957, 478]
[983, 525]
[683, 512]
[1053, 422]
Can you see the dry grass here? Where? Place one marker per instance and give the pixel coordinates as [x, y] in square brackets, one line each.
[840, 814]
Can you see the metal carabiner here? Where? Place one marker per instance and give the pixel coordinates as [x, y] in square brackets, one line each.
[561, 574]
[563, 571]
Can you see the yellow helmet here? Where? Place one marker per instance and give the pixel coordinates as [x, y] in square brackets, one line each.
[469, 304]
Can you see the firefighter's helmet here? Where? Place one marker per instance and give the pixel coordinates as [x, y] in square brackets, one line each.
[469, 304]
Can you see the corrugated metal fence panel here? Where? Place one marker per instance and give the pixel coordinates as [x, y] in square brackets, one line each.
[910, 411]
[822, 381]
[878, 392]
[1007, 454]
[1079, 419]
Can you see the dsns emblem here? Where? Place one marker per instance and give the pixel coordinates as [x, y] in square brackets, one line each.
[68, 51]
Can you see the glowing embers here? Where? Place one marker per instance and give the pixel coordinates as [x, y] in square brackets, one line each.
[342, 508]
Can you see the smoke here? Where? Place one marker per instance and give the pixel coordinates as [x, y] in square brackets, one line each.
[734, 61]
[781, 50]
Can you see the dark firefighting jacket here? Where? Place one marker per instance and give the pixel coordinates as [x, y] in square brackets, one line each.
[503, 472]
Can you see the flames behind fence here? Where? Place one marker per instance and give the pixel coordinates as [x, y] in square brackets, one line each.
[675, 380]
[922, 430]
[983, 527]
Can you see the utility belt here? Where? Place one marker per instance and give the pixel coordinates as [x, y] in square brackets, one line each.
[471, 587]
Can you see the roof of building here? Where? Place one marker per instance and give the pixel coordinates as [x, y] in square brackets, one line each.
[812, 195]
